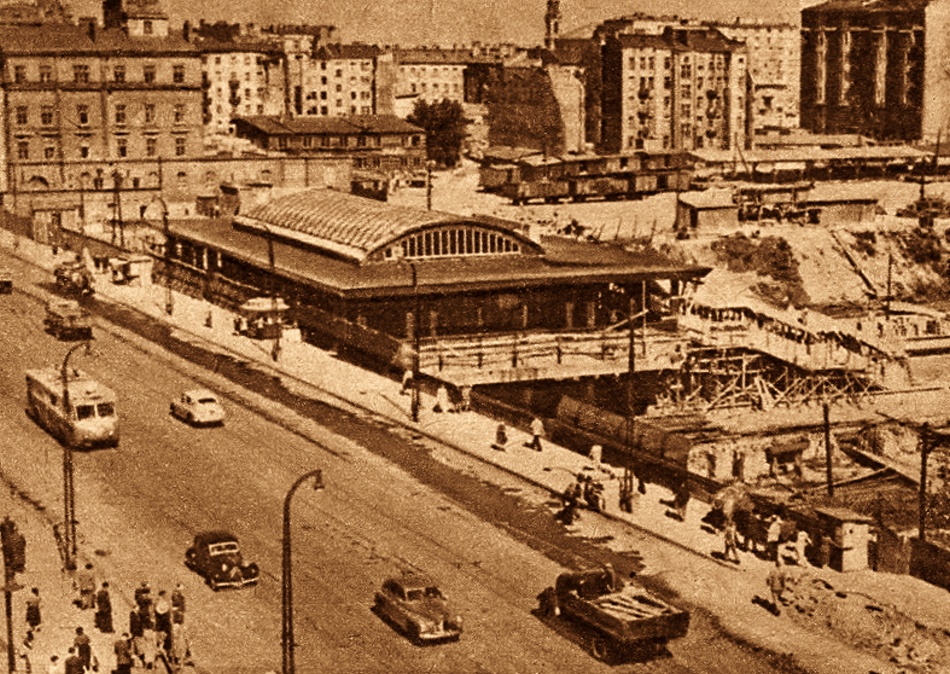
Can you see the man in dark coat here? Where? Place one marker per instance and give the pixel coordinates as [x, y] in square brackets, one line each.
[123, 655]
[104, 609]
[83, 647]
[73, 663]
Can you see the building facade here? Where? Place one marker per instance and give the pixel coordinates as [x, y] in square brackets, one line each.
[128, 90]
[431, 74]
[683, 89]
[876, 68]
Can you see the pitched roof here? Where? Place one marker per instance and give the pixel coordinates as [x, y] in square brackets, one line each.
[349, 124]
[62, 38]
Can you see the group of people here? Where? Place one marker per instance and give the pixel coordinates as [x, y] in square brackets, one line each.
[777, 544]
[157, 623]
[585, 491]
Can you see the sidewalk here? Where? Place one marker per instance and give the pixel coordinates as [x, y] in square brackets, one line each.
[700, 579]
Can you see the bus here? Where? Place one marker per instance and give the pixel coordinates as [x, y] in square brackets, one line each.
[91, 419]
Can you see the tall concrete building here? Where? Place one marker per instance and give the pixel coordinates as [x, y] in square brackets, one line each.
[880, 68]
[683, 89]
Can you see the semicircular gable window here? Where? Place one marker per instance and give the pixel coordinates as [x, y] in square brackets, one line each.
[455, 242]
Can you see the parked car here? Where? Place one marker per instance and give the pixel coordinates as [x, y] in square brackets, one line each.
[6, 280]
[415, 605]
[198, 407]
[67, 320]
[216, 557]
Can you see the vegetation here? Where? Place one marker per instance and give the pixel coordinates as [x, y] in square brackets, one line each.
[865, 242]
[769, 256]
[444, 123]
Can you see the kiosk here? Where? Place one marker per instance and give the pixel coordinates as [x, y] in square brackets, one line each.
[262, 317]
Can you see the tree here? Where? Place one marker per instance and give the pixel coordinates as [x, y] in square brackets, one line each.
[444, 124]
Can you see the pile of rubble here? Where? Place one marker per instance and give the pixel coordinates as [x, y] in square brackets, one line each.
[870, 625]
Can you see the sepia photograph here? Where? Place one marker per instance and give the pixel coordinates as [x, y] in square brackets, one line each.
[457, 337]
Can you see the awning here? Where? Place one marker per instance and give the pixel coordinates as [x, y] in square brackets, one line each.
[264, 305]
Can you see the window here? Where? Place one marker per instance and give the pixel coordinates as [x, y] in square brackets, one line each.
[82, 114]
[148, 74]
[151, 144]
[21, 115]
[46, 115]
[84, 151]
[178, 74]
[149, 113]
[46, 74]
[81, 74]
[49, 152]
[23, 149]
[122, 147]
[118, 74]
[180, 147]
[120, 113]
[147, 27]
[19, 74]
[179, 113]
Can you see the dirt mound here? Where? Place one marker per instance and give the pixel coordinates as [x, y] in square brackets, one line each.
[872, 626]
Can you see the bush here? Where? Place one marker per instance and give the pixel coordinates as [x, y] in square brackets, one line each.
[769, 256]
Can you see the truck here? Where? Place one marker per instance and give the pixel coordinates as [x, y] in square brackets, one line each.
[74, 277]
[66, 320]
[616, 620]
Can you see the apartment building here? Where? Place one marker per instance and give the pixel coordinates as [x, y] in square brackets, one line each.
[334, 80]
[683, 89]
[432, 74]
[876, 68]
[125, 91]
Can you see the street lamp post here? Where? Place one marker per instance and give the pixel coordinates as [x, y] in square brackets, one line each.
[286, 576]
[416, 326]
[69, 492]
[169, 295]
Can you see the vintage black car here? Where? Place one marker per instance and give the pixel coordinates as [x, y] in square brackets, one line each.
[415, 605]
[216, 556]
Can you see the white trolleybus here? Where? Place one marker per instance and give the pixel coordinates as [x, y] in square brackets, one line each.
[85, 417]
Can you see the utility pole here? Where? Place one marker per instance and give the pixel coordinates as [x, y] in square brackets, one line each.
[69, 491]
[826, 415]
[416, 327]
[14, 561]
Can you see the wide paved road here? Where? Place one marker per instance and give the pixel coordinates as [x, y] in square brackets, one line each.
[139, 505]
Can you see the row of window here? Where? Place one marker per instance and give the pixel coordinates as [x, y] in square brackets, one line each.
[323, 140]
[322, 95]
[25, 151]
[48, 114]
[458, 241]
[81, 73]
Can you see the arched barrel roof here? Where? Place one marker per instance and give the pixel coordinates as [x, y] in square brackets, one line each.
[355, 227]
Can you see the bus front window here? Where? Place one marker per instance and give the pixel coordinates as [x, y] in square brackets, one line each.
[105, 409]
[85, 412]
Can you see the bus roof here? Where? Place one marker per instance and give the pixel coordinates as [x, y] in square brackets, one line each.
[81, 385]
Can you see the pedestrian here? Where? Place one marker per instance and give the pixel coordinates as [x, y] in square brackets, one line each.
[406, 382]
[802, 541]
[180, 646]
[466, 398]
[681, 501]
[178, 604]
[83, 647]
[123, 654]
[55, 666]
[136, 632]
[104, 609]
[86, 584]
[442, 403]
[143, 601]
[730, 538]
[73, 664]
[776, 583]
[501, 438]
[163, 619]
[548, 603]
[537, 430]
[33, 615]
[772, 537]
[148, 648]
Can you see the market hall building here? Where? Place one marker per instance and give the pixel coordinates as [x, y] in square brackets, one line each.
[480, 298]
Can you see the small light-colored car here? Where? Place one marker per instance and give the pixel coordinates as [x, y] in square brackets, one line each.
[216, 557]
[198, 407]
[415, 605]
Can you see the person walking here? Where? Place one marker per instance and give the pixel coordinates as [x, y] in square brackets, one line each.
[802, 541]
[730, 538]
[33, 615]
[772, 537]
[86, 584]
[136, 633]
[537, 430]
[123, 654]
[776, 584]
[73, 663]
[178, 604]
[143, 602]
[104, 609]
[83, 647]
[442, 403]
[163, 619]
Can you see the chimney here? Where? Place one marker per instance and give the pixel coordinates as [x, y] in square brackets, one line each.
[90, 24]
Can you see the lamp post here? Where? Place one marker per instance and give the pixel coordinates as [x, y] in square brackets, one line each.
[416, 325]
[286, 576]
[169, 295]
[69, 492]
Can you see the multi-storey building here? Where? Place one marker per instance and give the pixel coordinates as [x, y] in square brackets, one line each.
[683, 89]
[76, 95]
[432, 74]
[334, 80]
[876, 67]
[241, 76]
